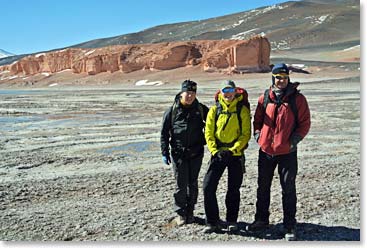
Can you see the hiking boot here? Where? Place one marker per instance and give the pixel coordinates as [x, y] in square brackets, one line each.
[190, 219]
[210, 228]
[257, 226]
[180, 220]
[290, 234]
[232, 227]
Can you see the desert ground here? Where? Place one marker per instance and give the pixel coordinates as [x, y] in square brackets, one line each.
[81, 160]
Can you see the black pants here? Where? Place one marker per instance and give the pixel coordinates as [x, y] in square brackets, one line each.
[211, 181]
[287, 169]
[186, 174]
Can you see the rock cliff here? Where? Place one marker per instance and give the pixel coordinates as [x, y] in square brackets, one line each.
[213, 55]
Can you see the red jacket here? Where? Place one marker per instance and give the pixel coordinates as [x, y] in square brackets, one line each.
[276, 127]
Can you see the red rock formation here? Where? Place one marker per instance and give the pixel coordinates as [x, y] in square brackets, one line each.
[230, 55]
[251, 56]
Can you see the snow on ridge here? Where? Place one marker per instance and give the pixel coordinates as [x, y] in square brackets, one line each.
[242, 35]
[233, 25]
[281, 45]
[317, 20]
[267, 9]
[238, 23]
[4, 54]
[322, 19]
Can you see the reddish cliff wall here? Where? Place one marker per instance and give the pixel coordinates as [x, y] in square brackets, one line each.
[233, 55]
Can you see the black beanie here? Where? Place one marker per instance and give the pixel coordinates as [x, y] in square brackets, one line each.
[188, 85]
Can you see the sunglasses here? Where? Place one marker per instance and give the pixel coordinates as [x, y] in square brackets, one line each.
[281, 77]
[228, 90]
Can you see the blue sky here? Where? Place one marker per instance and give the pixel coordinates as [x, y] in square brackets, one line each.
[38, 25]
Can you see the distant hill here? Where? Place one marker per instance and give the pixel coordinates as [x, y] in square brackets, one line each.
[4, 53]
[316, 24]
[309, 23]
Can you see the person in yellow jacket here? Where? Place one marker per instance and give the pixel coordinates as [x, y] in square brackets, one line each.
[226, 141]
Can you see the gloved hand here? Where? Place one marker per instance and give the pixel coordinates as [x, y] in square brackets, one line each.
[166, 159]
[295, 139]
[257, 136]
[224, 154]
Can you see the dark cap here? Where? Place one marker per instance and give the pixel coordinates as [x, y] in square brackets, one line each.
[188, 85]
[280, 68]
[228, 84]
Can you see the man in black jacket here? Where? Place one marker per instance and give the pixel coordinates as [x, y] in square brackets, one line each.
[183, 133]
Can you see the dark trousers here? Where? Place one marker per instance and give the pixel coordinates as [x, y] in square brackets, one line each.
[287, 170]
[211, 181]
[186, 174]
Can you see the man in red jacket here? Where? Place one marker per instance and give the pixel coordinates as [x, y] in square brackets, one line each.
[282, 119]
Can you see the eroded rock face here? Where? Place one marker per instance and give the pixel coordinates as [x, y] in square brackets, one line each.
[232, 55]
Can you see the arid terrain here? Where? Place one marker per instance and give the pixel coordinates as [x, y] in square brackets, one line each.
[81, 160]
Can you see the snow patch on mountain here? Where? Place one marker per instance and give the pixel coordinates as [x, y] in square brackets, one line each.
[243, 35]
[4, 53]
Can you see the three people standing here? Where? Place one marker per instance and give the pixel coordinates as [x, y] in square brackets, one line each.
[282, 119]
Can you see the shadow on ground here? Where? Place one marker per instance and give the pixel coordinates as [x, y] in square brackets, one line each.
[305, 232]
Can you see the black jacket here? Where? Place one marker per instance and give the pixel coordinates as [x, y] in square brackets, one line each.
[185, 135]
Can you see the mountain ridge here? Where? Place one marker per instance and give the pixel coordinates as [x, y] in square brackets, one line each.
[4, 54]
[316, 23]
[320, 19]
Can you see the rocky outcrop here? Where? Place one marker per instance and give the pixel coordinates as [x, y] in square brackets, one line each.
[213, 55]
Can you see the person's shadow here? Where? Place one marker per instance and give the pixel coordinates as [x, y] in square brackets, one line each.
[305, 232]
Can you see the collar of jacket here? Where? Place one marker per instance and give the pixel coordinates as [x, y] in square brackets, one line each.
[232, 105]
[291, 89]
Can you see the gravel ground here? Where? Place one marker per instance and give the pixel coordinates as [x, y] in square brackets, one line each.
[84, 164]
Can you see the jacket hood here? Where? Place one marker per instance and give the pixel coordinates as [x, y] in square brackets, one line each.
[177, 97]
[291, 89]
[225, 104]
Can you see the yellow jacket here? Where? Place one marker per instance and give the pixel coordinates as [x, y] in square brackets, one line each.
[227, 133]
